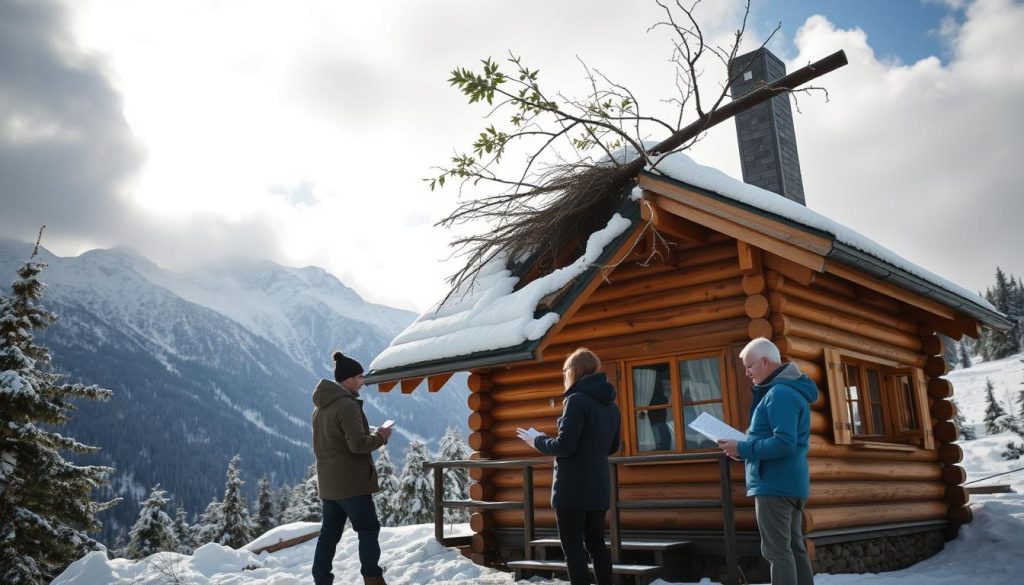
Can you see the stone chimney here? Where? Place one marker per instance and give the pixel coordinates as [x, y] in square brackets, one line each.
[765, 132]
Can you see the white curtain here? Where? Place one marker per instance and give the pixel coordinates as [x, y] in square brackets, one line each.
[643, 393]
[701, 380]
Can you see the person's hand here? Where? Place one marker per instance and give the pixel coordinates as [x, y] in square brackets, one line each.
[385, 432]
[528, 435]
[730, 448]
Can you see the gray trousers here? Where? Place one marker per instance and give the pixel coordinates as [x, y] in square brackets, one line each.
[782, 541]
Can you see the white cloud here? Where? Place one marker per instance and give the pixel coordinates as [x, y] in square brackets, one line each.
[301, 131]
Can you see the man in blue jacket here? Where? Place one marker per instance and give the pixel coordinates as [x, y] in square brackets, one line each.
[775, 453]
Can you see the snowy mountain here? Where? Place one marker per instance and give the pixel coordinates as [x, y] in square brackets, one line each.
[212, 362]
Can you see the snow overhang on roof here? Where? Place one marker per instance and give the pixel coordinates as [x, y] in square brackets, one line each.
[493, 323]
[849, 247]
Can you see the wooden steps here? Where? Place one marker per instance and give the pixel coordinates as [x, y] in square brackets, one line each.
[642, 574]
[662, 551]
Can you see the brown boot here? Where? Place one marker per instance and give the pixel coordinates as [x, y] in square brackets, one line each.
[374, 581]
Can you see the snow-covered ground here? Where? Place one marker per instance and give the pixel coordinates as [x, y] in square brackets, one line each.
[989, 550]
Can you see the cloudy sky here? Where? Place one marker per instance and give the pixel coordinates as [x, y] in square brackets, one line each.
[301, 131]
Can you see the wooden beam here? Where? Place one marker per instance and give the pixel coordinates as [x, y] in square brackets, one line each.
[735, 228]
[387, 386]
[410, 384]
[890, 290]
[673, 225]
[437, 381]
[768, 226]
[750, 258]
[790, 270]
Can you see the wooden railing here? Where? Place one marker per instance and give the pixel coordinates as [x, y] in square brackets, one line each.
[615, 505]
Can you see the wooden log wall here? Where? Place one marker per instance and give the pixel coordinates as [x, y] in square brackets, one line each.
[810, 312]
[719, 295]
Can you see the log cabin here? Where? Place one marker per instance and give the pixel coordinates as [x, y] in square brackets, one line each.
[692, 266]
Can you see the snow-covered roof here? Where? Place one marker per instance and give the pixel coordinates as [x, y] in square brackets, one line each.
[491, 316]
[682, 168]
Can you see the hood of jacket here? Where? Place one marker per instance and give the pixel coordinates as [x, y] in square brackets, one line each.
[327, 391]
[595, 386]
[791, 376]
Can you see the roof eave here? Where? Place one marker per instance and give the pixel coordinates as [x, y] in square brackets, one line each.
[525, 351]
[484, 359]
[859, 260]
[887, 272]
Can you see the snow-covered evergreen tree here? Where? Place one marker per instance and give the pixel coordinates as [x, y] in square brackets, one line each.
[46, 507]
[456, 479]
[950, 351]
[966, 431]
[182, 531]
[965, 355]
[415, 498]
[153, 532]
[305, 501]
[994, 411]
[205, 529]
[1005, 297]
[385, 498]
[238, 527]
[283, 502]
[266, 516]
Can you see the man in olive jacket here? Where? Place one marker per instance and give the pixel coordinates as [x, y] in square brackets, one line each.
[345, 474]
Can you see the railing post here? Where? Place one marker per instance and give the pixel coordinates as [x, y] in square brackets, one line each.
[613, 522]
[438, 507]
[728, 522]
[527, 511]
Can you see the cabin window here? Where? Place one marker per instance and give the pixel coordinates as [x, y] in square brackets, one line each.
[875, 401]
[667, 394]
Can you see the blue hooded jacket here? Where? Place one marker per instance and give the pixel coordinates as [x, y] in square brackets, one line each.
[588, 432]
[775, 451]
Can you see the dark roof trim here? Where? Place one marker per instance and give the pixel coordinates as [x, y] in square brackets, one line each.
[866, 263]
[881, 270]
[629, 209]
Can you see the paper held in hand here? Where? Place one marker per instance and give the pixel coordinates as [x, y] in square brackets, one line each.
[388, 424]
[715, 429]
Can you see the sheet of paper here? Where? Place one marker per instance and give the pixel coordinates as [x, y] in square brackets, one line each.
[715, 429]
[531, 432]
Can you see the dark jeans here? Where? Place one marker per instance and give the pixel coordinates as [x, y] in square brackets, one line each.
[363, 515]
[582, 532]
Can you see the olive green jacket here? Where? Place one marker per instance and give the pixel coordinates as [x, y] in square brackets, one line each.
[342, 443]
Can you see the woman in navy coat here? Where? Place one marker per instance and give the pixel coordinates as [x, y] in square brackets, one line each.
[588, 432]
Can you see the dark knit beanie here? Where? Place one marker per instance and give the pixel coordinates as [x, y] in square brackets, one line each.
[345, 367]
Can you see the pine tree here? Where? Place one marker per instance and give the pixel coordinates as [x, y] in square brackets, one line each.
[182, 532]
[305, 500]
[153, 532]
[415, 497]
[45, 501]
[384, 499]
[949, 351]
[237, 529]
[284, 501]
[205, 530]
[994, 411]
[456, 479]
[266, 517]
[967, 432]
[1000, 344]
[965, 356]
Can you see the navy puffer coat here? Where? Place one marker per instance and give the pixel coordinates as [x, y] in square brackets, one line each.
[588, 432]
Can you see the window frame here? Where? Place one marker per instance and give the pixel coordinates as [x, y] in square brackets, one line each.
[837, 361]
[629, 410]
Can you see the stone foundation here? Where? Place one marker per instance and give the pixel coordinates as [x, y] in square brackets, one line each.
[888, 553]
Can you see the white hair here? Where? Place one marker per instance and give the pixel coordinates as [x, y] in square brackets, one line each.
[761, 347]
